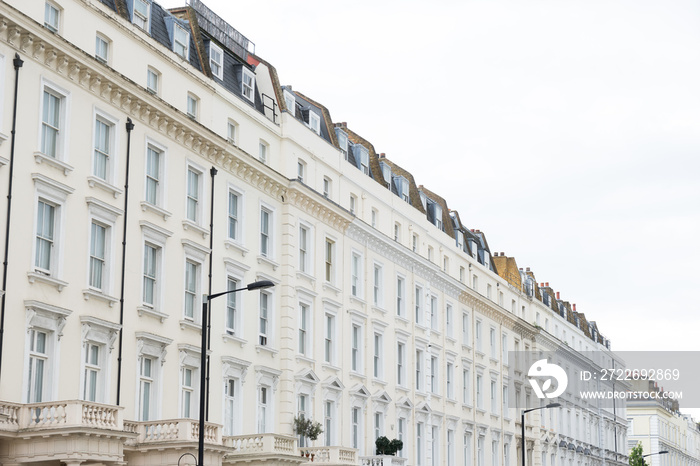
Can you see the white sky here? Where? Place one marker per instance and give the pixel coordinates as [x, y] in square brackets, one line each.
[567, 131]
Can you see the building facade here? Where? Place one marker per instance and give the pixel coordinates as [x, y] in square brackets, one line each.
[155, 158]
[659, 425]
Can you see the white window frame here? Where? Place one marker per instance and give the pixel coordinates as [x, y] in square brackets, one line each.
[192, 290]
[290, 102]
[181, 41]
[154, 237]
[266, 319]
[189, 394]
[357, 347]
[418, 305]
[306, 327]
[434, 374]
[161, 182]
[143, 21]
[401, 363]
[449, 381]
[153, 80]
[264, 152]
[61, 127]
[194, 198]
[401, 296]
[52, 17]
[315, 122]
[192, 108]
[327, 187]
[103, 215]
[102, 48]
[330, 340]
[102, 334]
[465, 329]
[378, 357]
[466, 384]
[329, 255]
[55, 195]
[434, 313]
[216, 66]
[305, 248]
[110, 152]
[378, 285]
[419, 372]
[232, 317]
[265, 415]
[301, 170]
[247, 84]
[356, 274]
[267, 231]
[234, 226]
[234, 373]
[449, 320]
[152, 347]
[232, 132]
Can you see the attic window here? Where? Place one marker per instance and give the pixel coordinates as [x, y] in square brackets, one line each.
[314, 122]
[142, 11]
[216, 60]
[402, 187]
[460, 239]
[386, 172]
[342, 141]
[248, 84]
[437, 214]
[290, 102]
[181, 41]
[362, 158]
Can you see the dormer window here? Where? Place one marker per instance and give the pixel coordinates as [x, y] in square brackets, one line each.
[142, 11]
[216, 60]
[402, 187]
[181, 41]
[460, 239]
[436, 211]
[290, 102]
[386, 172]
[248, 84]
[314, 122]
[342, 141]
[362, 158]
[475, 248]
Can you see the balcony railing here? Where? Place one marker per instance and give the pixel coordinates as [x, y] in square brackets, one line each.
[332, 455]
[57, 414]
[261, 444]
[382, 460]
[172, 430]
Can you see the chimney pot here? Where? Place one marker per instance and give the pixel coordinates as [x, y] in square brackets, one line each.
[527, 269]
[521, 269]
[546, 284]
[345, 124]
[574, 307]
[472, 230]
[558, 296]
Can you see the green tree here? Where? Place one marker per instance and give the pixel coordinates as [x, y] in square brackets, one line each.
[636, 456]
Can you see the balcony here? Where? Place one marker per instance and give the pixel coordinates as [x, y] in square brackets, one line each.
[172, 431]
[262, 448]
[59, 414]
[330, 455]
[382, 460]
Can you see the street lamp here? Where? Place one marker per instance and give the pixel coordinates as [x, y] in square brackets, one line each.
[522, 423]
[206, 300]
[662, 452]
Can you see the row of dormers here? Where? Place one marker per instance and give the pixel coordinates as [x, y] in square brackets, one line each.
[229, 63]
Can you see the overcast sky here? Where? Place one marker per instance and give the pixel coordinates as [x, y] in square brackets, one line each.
[567, 131]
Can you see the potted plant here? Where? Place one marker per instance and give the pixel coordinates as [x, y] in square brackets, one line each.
[307, 427]
[387, 447]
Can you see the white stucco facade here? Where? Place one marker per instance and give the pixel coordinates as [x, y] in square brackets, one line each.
[365, 330]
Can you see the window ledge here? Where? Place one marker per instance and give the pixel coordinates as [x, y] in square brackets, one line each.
[151, 312]
[451, 339]
[401, 319]
[95, 182]
[381, 382]
[233, 338]
[401, 388]
[40, 157]
[330, 287]
[302, 358]
[190, 324]
[306, 276]
[232, 244]
[357, 300]
[380, 310]
[358, 375]
[190, 225]
[146, 206]
[480, 410]
[3, 138]
[435, 396]
[273, 352]
[451, 401]
[330, 367]
[466, 347]
[40, 277]
[90, 293]
[265, 260]
[466, 406]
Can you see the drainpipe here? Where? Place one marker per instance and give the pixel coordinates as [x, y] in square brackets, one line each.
[213, 173]
[129, 127]
[17, 62]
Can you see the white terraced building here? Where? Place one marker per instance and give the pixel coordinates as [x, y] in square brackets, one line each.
[388, 316]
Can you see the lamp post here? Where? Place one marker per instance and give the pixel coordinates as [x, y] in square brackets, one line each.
[662, 452]
[522, 423]
[206, 300]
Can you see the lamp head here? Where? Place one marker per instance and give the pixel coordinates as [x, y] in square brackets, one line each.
[260, 285]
